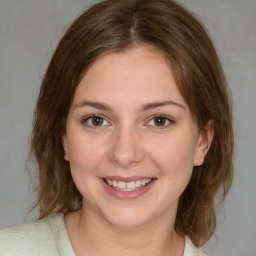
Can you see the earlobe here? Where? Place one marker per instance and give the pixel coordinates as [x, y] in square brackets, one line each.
[65, 147]
[66, 157]
[204, 143]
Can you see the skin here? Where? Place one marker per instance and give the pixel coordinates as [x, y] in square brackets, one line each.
[128, 143]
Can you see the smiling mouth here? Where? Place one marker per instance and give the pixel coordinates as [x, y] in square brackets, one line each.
[128, 186]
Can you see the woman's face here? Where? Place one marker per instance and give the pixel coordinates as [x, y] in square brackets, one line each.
[131, 140]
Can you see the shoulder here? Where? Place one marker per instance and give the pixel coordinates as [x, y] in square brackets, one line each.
[36, 238]
[191, 250]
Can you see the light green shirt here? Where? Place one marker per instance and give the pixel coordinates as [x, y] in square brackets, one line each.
[48, 237]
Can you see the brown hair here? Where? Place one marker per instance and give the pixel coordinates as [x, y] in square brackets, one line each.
[114, 25]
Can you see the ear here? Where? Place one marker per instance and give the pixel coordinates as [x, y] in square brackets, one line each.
[204, 143]
[65, 147]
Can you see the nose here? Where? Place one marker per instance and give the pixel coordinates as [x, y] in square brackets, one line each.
[126, 148]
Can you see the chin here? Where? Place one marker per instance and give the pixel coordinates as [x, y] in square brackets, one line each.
[127, 218]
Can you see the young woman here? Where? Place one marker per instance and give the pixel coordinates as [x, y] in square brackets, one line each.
[132, 136]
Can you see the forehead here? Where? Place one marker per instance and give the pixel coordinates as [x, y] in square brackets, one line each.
[139, 72]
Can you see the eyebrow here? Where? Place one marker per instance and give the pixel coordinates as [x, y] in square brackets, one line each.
[153, 105]
[144, 107]
[93, 104]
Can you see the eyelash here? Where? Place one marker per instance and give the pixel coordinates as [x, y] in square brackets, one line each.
[86, 120]
[166, 119]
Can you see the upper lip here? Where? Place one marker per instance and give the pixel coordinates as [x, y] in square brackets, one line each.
[126, 179]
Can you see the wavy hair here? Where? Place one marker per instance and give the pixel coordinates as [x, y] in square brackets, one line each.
[114, 25]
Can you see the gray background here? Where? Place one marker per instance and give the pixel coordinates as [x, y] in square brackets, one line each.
[29, 32]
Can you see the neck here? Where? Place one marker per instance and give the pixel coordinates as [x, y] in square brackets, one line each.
[87, 231]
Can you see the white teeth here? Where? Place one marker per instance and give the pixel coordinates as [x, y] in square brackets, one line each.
[131, 185]
[128, 186]
[138, 183]
[114, 183]
[121, 184]
[110, 182]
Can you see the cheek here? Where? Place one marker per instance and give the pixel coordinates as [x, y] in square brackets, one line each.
[85, 158]
[174, 156]
[85, 154]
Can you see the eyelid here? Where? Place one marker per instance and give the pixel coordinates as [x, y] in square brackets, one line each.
[169, 119]
[86, 118]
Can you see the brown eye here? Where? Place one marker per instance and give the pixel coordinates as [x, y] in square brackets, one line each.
[159, 121]
[97, 120]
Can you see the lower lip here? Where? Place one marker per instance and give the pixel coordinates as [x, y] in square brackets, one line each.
[127, 195]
